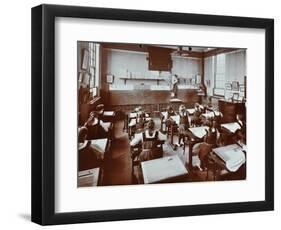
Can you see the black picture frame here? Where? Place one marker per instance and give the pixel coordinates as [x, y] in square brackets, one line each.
[43, 113]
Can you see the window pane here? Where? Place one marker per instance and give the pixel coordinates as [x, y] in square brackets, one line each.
[220, 71]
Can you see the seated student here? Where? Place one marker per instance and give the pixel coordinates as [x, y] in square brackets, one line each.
[89, 157]
[240, 134]
[196, 120]
[183, 124]
[169, 121]
[210, 141]
[96, 127]
[150, 139]
[99, 110]
[137, 125]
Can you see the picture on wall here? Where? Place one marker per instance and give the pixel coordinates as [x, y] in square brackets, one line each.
[109, 78]
[125, 137]
[235, 86]
[228, 86]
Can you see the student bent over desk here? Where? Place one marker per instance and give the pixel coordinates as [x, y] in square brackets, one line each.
[151, 141]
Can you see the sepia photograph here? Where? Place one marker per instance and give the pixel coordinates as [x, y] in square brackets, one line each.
[169, 115]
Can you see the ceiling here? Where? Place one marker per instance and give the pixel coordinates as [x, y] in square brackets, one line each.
[193, 48]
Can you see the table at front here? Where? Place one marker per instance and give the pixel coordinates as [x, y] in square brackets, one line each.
[163, 169]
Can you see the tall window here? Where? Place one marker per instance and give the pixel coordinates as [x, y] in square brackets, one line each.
[92, 60]
[220, 71]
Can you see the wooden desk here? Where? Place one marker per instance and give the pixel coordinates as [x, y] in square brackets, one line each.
[211, 114]
[231, 127]
[108, 116]
[230, 109]
[89, 177]
[163, 169]
[199, 132]
[227, 132]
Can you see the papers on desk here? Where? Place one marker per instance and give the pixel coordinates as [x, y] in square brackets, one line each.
[108, 113]
[218, 113]
[99, 145]
[176, 119]
[133, 122]
[162, 169]
[208, 115]
[231, 127]
[212, 114]
[88, 178]
[165, 115]
[232, 155]
[190, 111]
[234, 159]
[133, 115]
[199, 132]
[105, 125]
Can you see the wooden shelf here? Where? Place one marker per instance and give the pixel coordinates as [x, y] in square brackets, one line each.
[142, 79]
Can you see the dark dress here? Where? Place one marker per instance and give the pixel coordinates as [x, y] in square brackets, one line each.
[150, 149]
[87, 158]
[96, 131]
[184, 122]
[206, 147]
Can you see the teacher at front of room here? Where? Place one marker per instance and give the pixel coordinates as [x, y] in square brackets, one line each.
[175, 81]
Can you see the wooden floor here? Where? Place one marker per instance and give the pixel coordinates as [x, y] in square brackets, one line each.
[118, 167]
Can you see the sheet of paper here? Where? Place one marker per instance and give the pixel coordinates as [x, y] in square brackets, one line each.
[162, 168]
[133, 115]
[190, 111]
[108, 113]
[199, 132]
[88, 178]
[165, 115]
[99, 144]
[232, 155]
[232, 127]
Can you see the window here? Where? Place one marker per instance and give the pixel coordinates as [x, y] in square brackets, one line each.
[92, 63]
[219, 74]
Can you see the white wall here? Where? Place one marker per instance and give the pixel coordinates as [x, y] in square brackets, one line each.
[235, 70]
[123, 63]
[15, 181]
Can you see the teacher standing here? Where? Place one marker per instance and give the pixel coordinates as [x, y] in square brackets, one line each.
[175, 86]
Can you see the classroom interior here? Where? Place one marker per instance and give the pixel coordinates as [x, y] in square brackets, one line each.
[151, 114]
